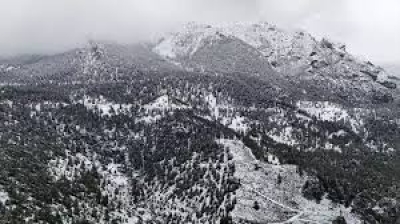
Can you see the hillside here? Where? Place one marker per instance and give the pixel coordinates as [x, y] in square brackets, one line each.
[244, 123]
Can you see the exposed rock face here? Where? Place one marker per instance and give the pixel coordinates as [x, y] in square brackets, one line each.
[318, 66]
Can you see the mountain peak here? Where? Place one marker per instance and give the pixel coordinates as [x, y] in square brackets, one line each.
[263, 48]
[187, 41]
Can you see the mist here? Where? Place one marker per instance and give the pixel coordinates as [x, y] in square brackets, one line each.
[370, 28]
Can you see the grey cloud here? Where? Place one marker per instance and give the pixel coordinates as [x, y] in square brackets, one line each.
[369, 27]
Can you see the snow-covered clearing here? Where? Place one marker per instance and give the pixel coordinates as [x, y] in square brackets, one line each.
[104, 106]
[157, 109]
[233, 121]
[327, 111]
[285, 136]
[3, 196]
[164, 103]
[278, 203]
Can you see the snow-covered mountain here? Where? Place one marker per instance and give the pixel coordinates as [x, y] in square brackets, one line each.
[239, 124]
[315, 65]
[287, 51]
[203, 48]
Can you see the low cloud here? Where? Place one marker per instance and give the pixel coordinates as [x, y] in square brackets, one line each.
[369, 27]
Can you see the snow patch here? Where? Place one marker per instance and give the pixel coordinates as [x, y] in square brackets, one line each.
[164, 103]
[186, 42]
[278, 202]
[237, 123]
[3, 196]
[104, 106]
[149, 119]
[234, 121]
[68, 167]
[285, 136]
[9, 103]
[327, 111]
[116, 176]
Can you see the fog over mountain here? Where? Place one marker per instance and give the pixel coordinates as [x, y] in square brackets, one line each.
[47, 26]
[393, 69]
[122, 112]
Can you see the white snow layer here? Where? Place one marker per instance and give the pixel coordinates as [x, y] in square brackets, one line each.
[164, 103]
[328, 111]
[279, 203]
[104, 106]
[186, 42]
[3, 196]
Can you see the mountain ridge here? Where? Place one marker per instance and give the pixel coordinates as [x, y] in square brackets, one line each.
[239, 124]
[294, 55]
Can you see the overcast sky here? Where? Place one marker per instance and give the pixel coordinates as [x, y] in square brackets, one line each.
[370, 28]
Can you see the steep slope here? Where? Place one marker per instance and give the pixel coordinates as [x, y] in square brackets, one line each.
[394, 71]
[203, 127]
[276, 190]
[292, 51]
[174, 148]
[27, 69]
[203, 48]
[301, 56]
[321, 68]
[138, 56]
[99, 61]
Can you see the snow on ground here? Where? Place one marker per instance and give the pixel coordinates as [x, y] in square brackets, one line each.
[330, 146]
[271, 41]
[149, 119]
[116, 183]
[116, 177]
[279, 203]
[303, 117]
[239, 124]
[154, 110]
[8, 68]
[285, 136]
[327, 111]
[68, 167]
[60, 167]
[159, 107]
[186, 42]
[104, 106]
[166, 48]
[3, 196]
[164, 103]
[233, 121]
[236, 123]
[214, 106]
[9, 103]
